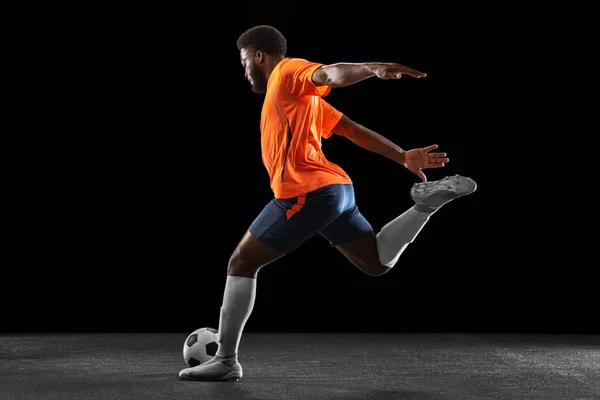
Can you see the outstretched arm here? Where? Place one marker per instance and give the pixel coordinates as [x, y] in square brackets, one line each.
[414, 160]
[344, 74]
[369, 140]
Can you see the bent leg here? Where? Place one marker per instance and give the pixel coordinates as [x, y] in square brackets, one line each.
[377, 254]
[374, 254]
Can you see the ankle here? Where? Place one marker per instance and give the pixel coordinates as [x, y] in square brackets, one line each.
[424, 208]
[222, 357]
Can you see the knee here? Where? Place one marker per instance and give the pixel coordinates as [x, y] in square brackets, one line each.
[238, 266]
[372, 267]
[376, 269]
[364, 254]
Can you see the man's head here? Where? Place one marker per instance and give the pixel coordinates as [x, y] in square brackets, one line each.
[261, 48]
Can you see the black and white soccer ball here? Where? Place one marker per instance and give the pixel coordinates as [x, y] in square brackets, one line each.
[200, 346]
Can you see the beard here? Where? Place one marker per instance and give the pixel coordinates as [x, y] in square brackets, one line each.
[258, 81]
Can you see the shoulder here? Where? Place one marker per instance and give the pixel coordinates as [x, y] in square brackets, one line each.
[295, 74]
[293, 65]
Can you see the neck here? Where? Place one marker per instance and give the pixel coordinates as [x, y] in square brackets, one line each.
[270, 64]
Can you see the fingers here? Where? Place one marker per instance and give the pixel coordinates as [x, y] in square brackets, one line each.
[414, 73]
[421, 175]
[437, 155]
[436, 165]
[429, 148]
[437, 160]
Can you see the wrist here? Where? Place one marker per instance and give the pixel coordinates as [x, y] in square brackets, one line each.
[372, 68]
[401, 157]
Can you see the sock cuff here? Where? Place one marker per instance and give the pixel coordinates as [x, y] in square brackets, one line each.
[240, 279]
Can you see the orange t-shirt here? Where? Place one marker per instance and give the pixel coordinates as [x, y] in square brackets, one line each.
[294, 118]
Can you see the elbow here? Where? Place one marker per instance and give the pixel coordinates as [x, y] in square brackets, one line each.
[326, 75]
[327, 80]
[333, 81]
[335, 78]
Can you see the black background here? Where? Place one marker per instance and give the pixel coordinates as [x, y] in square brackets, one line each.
[147, 172]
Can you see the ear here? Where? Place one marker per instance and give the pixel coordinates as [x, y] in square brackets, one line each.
[260, 56]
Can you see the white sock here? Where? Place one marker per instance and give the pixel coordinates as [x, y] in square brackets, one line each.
[395, 236]
[238, 301]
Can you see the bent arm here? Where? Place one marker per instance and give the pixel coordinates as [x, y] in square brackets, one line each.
[369, 140]
[343, 74]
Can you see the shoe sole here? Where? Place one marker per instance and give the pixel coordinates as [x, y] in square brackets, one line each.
[422, 190]
[231, 377]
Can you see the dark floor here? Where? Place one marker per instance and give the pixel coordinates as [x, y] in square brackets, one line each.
[305, 366]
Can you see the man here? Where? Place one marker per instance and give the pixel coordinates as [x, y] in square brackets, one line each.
[311, 194]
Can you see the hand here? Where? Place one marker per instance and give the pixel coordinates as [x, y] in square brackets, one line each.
[395, 71]
[416, 159]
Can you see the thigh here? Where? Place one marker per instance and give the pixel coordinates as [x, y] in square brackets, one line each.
[354, 237]
[285, 224]
[350, 224]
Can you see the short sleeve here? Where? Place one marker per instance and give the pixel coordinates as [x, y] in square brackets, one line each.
[296, 76]
[331, 117]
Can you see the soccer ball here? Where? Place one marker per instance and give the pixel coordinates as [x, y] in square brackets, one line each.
[200, 346]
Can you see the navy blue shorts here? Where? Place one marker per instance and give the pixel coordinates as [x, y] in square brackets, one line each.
[330, 211]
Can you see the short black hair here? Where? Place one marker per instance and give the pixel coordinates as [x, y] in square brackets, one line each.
[265, 38]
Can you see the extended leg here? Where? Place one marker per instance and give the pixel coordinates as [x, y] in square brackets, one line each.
[238, 301]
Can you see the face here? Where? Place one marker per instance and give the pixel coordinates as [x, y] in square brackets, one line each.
[252, 61]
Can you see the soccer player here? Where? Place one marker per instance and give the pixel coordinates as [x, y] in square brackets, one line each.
[311, 194]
